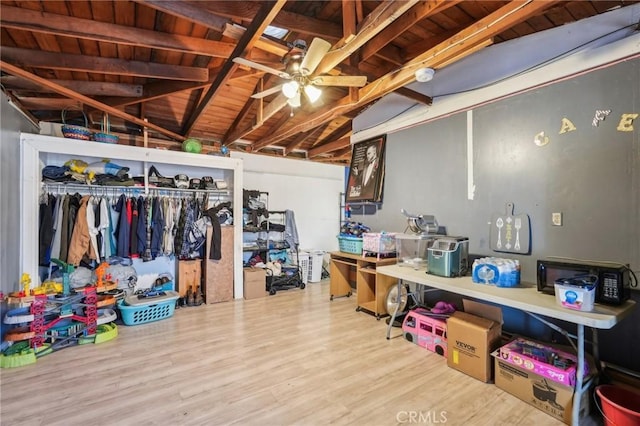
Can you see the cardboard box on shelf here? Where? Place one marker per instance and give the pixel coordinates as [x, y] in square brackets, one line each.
[471, 336]
[255, 283]
[551, 397]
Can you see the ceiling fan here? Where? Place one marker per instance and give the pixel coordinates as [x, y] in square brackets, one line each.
[300, 64]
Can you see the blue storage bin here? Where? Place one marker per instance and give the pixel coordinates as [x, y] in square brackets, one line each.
[140, 314]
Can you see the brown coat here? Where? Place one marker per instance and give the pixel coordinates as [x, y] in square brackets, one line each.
[80, 244]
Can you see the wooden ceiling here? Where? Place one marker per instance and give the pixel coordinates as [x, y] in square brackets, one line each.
[167, 65]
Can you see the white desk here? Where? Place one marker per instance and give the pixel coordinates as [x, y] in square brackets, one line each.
[527, 298]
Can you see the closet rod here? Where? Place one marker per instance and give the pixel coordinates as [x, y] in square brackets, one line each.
[138, 190]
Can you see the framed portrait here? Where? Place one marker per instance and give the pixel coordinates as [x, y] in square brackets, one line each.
[366, 171]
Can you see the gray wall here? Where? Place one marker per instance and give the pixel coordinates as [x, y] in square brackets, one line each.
[591, 175]
[12, 124]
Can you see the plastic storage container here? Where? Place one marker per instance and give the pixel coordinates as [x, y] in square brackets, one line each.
[149, 309]
[379, 242]
[303, 263]
[577, 293]
[412, 250]
[350, 244]
[315, 265]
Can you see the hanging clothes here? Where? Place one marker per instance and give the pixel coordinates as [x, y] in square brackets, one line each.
[80, 245]
[133, 245]
[57, 227]
[45, 229]
[64, 229]
[146, 246]
[157, 227]
[168, 206]
[141, 227]
[113, 226]
[104, 226]
[123, 207]
[215, 251]
[74, 205]
[91, 226]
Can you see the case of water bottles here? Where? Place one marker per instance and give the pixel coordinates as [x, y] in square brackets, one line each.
[496, 271]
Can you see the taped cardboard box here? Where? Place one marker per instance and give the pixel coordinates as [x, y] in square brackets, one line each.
[553, 398]
[471, 337]
[255, 283]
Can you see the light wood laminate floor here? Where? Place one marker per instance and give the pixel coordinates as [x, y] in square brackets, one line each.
[292, 358]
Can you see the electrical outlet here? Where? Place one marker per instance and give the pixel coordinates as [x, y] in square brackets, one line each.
[556, 219]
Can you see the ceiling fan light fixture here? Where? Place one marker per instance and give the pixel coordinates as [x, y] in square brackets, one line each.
[294, 101]
[424, 74]
[290, 88]
[312, 92]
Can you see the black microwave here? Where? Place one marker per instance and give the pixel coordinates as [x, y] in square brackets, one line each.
[613, 285]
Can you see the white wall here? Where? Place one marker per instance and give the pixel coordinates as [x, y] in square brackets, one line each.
[13, 122]
[311, 190]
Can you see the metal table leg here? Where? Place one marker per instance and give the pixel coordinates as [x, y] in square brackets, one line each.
[577, 395]
[395, 310]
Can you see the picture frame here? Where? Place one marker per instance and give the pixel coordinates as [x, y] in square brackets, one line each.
[366, 171]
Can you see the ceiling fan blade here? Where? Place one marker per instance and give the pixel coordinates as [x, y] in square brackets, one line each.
[274, 106]
[270, 91]
[340, 80]
[314, 55]
[255, 65]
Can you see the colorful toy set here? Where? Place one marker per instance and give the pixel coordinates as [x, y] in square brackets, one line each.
[427, 329]
[543, 360]
[46, 319]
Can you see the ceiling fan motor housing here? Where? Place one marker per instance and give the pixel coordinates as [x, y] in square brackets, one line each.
[292, 62]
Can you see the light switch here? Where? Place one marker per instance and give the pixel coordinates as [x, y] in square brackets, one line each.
[556, 219]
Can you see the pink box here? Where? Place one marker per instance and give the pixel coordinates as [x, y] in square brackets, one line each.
[543, 360]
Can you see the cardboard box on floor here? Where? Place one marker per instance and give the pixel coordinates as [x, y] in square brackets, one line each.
[553, 398]
[471, 337]
[255, 283]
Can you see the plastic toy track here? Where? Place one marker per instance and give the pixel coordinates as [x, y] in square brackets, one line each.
[18, 334]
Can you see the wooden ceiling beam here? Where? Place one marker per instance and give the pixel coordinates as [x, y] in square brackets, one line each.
[292, 146]
[375, 22]
[93, 88]
[392, 54]
[330, 146]
[507, 16]
[248, 106]
[338, 133]
[270, 46]
[403, 23]
[88, 29]
[246, 10]
[263, 18]
[196, 13]
[349, 24]
[30, 58]
[189, 11]
[33, 102]
[14, 70]
[161, 89]
[413, 95]
[421, 46]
